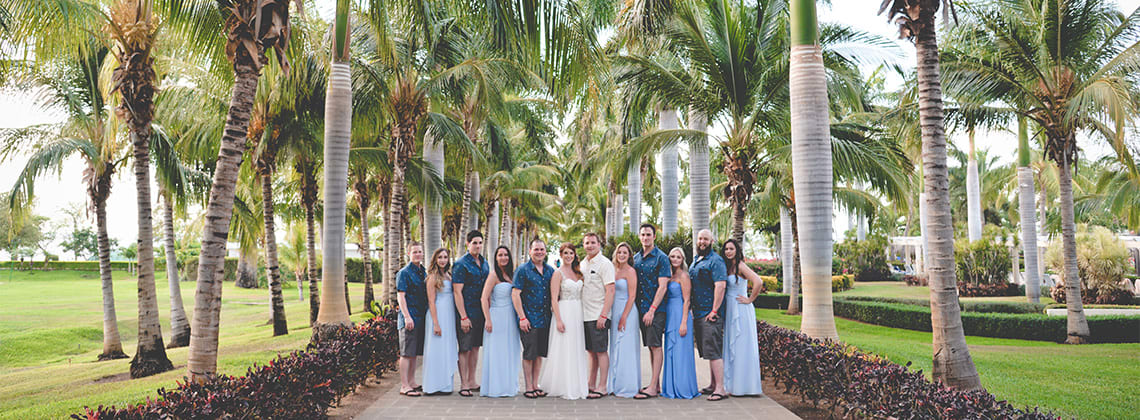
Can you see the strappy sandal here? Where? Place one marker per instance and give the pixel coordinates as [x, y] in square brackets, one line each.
[593, 395]
[717, 397]
[411, 393]
[465, 393]
[530, 394]
[642, 395]
[540, 393]
[707, 391]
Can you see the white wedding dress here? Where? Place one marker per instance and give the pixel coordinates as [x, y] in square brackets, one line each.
[564, 372]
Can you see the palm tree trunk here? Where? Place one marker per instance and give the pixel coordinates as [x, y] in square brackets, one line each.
[469, 220]
[150, 356]
[365, 247]
[952, 362]
[633, 186]
[505, 229]
[179, 324]
[923, 218]
[738, 220]
[973, 194]
[493, 230]
[811, 170]
[699, 181]
[395, 228]
[276, 300]
[670, 188]
[797, 277]
[246, 269]
[203, 359]
[1028, 218]
[332, 315]
[787, 249]
[112, 344]
[433, 219]
[311, 261]
[1078, 326]
[619, 214]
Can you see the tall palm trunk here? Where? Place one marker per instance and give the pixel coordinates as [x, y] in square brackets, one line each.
[493, 230]
[811, 169]
[179, 324]
[738, 220]
[1028, 218]
[311, 261]
[973, 194]
[333, 314]
[365, 243]
[276, 299]
[246, 269]
[797, 277]
[619, 214]
[203, 359]
[923, 218]
[952, 362]
[395, 227]
[670, 188]
[787, 249]
[112, 344]
[633, 186]
[699, 181]
[433, 219]
[1077, 326]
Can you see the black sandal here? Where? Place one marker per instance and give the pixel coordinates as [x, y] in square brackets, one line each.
[540, 393]
[717, 397]
[467, 391]
[593, 395]
[642, 395]
[530, 394]
[411, 393]
[707, 391]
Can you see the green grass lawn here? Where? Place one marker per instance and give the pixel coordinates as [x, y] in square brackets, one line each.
[51, 332]
[1096, 381]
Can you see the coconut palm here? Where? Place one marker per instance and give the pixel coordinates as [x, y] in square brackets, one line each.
[952, 362]
[1028, 210]
[1069, 62]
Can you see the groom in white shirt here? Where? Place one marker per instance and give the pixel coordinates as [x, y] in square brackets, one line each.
[597, 297]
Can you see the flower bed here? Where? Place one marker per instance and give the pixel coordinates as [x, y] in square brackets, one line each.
[863, 385]
[302, 384]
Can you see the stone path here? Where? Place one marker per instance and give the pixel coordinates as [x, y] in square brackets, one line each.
[391, 405]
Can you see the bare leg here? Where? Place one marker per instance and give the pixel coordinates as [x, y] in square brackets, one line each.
[593, 369]
[529, 373]
[717, 367]
[536, 370]
[603, 371]
[464, 380]
[472, 362]
[407, 373]
[657, 356]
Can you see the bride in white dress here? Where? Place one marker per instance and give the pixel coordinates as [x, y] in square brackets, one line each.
[564, 373]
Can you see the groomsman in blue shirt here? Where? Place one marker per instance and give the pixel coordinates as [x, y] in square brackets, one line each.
[532, 302]
[708, 276]
[411, 292]
[653, 273]
[467, 278]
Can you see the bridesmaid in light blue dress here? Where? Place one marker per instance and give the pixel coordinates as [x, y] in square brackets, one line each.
[441, 350]
[741, 350]
[502, 350]
[679, 376]
[625, 337]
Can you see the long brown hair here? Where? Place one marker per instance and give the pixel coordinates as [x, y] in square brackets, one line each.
[573, 264]
[504, 275]
[437, 274]
[628, 261]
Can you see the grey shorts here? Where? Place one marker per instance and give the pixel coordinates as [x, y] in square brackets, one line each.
[653, 335]
[535, 343]
[412, 342]
[597, 340]
[472, 338]
[709, 337]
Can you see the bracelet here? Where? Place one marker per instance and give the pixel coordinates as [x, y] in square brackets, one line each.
[463, 319]
[713, 313]
[652, 308]
[522, 319]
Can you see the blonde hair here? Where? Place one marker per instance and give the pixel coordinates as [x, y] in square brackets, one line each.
[684, 264]
[628, 249]
[436, 274]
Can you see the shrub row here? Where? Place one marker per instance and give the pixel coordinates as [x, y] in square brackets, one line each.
[354, 267]
[302, 384]
[1024, 326]
[838, 283]
[864, 385]
[966, 306]
[1001, 288]
[76, 265]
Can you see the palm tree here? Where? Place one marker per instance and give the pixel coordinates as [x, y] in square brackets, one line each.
[333, 313]
[72, 84]
[1028, 210]
[1069, 62]
[952, 362]
[250, 27]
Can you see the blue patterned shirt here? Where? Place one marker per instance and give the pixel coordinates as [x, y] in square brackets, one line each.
[649, 268]
[705, 273]
[411, 281]
[535, 292]
[471, 274]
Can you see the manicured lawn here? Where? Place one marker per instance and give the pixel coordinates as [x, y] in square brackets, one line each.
[1097, 381]
[51, 333]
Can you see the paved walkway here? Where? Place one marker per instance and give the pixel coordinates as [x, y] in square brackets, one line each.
[391, 405]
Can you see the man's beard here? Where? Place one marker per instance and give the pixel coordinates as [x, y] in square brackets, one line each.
[704, 250]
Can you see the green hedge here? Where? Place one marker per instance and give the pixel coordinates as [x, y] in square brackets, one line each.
[77, 265]
[965, 306]
[1040, 327]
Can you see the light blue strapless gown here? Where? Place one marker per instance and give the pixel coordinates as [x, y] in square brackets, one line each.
[625, 346]
[742, 352]
[679, 375]
[441, 352]
[502, 350]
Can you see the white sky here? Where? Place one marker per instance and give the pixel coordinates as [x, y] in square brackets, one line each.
[17, 109]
